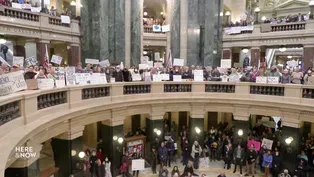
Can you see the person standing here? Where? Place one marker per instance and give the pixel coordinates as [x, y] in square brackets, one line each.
[154, 160]
[99, 169]
[267, 162]
[107, 165]
[251, 156]
[118, 75]
[92, 162]
[137, 155]
[196, 153]
[238, 156]
[170, 147]
[185, 151]
[163, 155]
[276, 164]
[228, 155]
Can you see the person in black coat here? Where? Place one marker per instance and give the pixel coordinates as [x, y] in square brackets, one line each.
[99, 169]
[118, 75]
[127, 75]
[228, 151]
[188, 170]
[92, 161]
[251, 156]
[154, 160]
[276, 164]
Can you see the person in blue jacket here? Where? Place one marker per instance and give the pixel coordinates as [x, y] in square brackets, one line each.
[171, 148]
[267, 162]
[163, 155]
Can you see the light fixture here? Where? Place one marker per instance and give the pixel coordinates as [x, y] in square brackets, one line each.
[81, 154]
[73, 3]
[3, 41]
[221, 14]
[311, 3]
[161, 13]
[120, 140]
[263, 18]
[214, 51]
[257, 9]
[282, 49]
[81, 5]
[289, 57]
[289, 140]
[145, 13]
[227, 13]
[197, 130]
[73, 152]
[158, 132]
[240, 132]
[115, 138]
[245, 50]
[155, 130]
[145, 52]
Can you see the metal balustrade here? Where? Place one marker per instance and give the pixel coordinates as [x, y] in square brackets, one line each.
[9, 112]
[178, 88]
[220, 88]
[267, 90]
[308, 93]
[51, 99]
[20, 14]
[136, 89]
[97, 92]
[57, 21]
[288, 27]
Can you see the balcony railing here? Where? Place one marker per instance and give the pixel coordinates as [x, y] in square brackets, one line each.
[283, 27]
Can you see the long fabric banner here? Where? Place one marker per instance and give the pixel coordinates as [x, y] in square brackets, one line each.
[12, 82]
[238, 29]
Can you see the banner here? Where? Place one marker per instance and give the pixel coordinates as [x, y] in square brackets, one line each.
[198, 75]
[92, 61]
[3, 61]
[65, 19]
[156, 28]
[273, 80]
[238, 29]
[103, 78]
[56, 59]
[165, 77]
[157, 77]
[95, 78]
[18, 61]
[225, 63]
[46, 84]
[165, 28]
[82, 78]
[266, 143]
[177, 78]
[31, 61]
[104, 63]
[256, 144]
[12, 82]
[261, 80]
[70, 75]
[158, 65]
[178, 62]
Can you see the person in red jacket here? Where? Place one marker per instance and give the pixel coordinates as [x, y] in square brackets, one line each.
[100, 155]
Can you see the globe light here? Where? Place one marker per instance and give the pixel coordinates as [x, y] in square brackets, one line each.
[245, 51]
[73, 152]
[115, 138]
[240, 132]
[158, 132]
[81, 154]
[257, 9]
[3, 41]
[263, 18]
[161, 13]
[73, 3]
[155, 130]
[288, 141]
[197, 130]
[120, 140]
[227, 13]
[145, 13]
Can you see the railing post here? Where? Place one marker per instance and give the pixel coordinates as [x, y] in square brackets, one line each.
[242, 90]
[44, 20]
[74, 96]
[157, 88]
[116, 91]
[29, 108]
[293, 93]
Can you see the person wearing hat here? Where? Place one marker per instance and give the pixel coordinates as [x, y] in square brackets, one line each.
[154, 159]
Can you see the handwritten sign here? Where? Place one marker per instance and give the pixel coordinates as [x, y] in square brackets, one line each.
[225, 63]
[142, 66]
[60, 83]
[95, 78]
[31, 61]
[103, 78]
[224, 78]
[198, 75]
[256, 144]
[65, 19]
[178, 62]
[144, 59]
[261, 80]
[177, 78]
[158, 65]
[92, 61]
[136, 77]
[266, 143]
[104, 63]
[82, 78]
[56, 59]
[157, 77]
[138, 164]
[273, 80]
[46, 84]
[70, 75]
[18, 61]
[12, 82]
[165, 77]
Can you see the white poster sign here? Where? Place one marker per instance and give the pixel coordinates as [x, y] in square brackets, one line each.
[3, 61]
[261, 80]
[56, 59]
[31, 61]
[82, 78]
[266, 143]
[65, 19]
[225, 63]
[177, 78]
[224, 78]
[136, 77]
[165, 77]
[46, 2]
[157, 56]
[46, 84]
[198, 75]
[150, 64]
[178, 62]
[156, 28]
[292, 63]
[12, 82]
[92, 61]
[103, 78]
[70, 75]
[273, 80]
[17, 5]
[142, 66]
[104, 63]
[95, 78]
[60, 72]
[59, 83]
[157, 77]
[138, 164]
[165, 28]
[144, 59]
[158, 65]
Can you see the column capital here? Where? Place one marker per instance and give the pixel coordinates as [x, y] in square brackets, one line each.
[73, 133]
[43, 41]
[256, 47]
[291, 119]
[241, 118]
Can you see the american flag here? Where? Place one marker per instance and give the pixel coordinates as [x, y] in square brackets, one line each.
[169, 61]
[46, 58]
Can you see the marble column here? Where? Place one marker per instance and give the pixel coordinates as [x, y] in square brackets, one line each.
[136, 31]
[308, 53]
[175, 29]
[199, 123]
[41, 50]
[74, 56]
[150, 126]
[240, 123]
[184, 10]
[255, 56]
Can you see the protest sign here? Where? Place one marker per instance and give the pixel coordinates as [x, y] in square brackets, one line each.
[56, 59]
[82, 78]
[198, 75]
[224, 78]
[112, 80]
[46, 84]
[292, 63]
[3, 61]
[65, 19]
[95, 78]
[266, 143]
[12, 82]
[256, 144]
[144, 59]
[138, 164]
[165, 28]
[18, 61]
[261, 80]
[178, 62]
[31, 61]
[157, 56]
[273, 80]
[60, 83]
[142, 66]
[60, 72]
[156, 28]
[104, 63]
[225, 63]
[165, 77]
[150, 64]
[92, 61]
[177, 78]
[157, 77]
[158, 65]
[103, 78]
[70, 75]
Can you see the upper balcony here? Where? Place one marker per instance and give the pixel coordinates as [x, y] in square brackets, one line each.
[152, 38]
[18, 22]
[270, 34]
